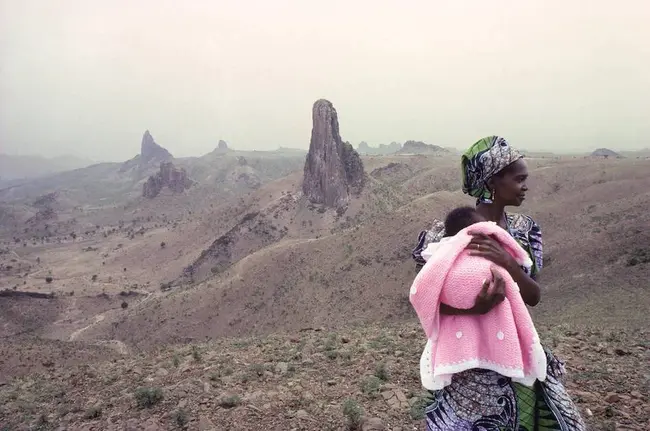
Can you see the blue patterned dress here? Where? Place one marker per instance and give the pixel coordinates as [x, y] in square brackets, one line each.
[482, 400]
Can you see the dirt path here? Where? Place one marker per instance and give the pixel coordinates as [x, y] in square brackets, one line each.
[238, 267]
[98, 318]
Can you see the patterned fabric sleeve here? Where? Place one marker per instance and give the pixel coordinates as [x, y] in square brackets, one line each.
[536, 249]
[425, 238]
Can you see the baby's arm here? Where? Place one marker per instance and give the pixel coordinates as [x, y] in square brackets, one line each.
[485, 301]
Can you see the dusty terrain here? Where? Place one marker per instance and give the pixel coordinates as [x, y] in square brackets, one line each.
[292, 308]
[312, 379]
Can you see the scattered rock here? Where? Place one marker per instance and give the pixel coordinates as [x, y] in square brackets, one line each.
[206, 424]
[161, 372]
[152, 425]
[612, 398]
[282, 367]
[253, 397]
[621, 352]
[395, 399]
[302, 414]
[373, 424]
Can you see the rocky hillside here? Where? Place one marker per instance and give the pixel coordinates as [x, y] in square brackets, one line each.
[253, 232]
[221, 173]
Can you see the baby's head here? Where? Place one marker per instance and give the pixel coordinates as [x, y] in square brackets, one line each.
[460, 218]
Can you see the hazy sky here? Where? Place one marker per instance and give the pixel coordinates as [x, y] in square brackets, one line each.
[87, 77]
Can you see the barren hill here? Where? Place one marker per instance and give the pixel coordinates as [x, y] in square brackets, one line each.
[264, 260]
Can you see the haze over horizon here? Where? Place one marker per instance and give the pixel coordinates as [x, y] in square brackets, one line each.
[87, 78]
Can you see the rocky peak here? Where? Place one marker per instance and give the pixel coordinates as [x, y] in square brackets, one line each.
[222, 145]
[175, 179]
[333, 169]
[149, 150]
[419, 147]
[363, 147]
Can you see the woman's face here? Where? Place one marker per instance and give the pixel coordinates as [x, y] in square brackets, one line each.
[510, 184]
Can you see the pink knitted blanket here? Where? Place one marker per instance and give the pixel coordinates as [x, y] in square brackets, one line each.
[504, 340]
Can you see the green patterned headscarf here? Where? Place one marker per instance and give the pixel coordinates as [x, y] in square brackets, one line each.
[481, 161]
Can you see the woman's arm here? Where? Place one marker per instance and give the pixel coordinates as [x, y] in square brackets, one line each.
[528, 287]
[489, 248]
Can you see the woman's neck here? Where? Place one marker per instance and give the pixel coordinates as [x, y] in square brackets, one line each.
[493, 212]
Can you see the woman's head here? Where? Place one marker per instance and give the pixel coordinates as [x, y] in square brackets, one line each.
[493, 171]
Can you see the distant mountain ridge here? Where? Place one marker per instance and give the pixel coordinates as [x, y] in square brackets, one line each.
[14, 167]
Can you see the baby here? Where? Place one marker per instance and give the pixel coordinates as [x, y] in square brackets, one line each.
[503, 340]
[457, 220]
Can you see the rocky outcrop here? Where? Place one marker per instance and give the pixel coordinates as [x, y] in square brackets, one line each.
[605, 153]
[150, 151]
[222, 145]
[382, 150]
[46, 205]
[175, 179]
[46, 201]
[44, 214]
[333, 169]
[419, 147]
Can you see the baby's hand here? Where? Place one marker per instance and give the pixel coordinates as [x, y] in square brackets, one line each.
[492, 293]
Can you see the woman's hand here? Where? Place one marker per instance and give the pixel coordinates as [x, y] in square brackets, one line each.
[489, 248]
[485, 246]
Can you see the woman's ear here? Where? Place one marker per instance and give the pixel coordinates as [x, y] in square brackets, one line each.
[492, 187]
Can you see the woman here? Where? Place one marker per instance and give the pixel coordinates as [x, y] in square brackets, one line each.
[496, 174]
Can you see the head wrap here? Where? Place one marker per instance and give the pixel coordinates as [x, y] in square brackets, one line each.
[481, 161]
